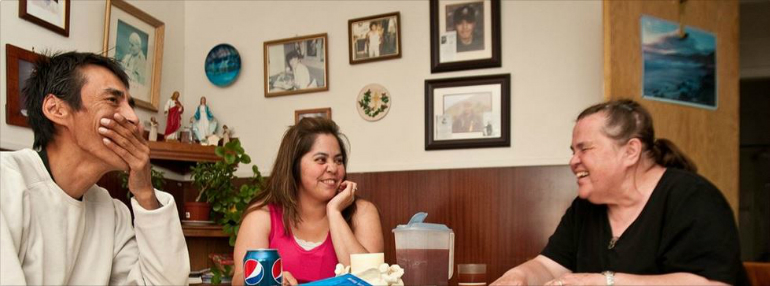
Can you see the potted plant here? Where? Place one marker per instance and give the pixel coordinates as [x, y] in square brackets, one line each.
[215, 183]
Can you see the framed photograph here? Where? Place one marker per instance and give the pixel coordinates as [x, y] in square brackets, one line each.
[468, 112]
[135, 39]
[678, 67]
[296, 65]
[53, 15]
[374, 38]
[318, 112]
[464, 34]
[20, 64]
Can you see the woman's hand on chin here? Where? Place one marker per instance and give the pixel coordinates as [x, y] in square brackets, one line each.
[345, 196]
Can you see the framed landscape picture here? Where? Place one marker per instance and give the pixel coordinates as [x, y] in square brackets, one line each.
[468, 112]
[19, 66]
[678, 68]
[53, 15]
[317, 112]
[296, 65]
[464, 34]
[374, 38]
[135, 39]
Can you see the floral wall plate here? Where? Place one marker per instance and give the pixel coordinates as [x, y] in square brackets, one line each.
[374, 102]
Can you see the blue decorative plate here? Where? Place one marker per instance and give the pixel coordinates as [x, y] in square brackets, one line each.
[223, 64]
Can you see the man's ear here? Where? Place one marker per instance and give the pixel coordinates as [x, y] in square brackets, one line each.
[633, 151]
[56, 110]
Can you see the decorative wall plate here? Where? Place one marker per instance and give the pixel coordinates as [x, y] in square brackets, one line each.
[373, 102]
[223, 64]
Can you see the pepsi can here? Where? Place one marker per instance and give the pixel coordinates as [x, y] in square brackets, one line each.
[262, 267]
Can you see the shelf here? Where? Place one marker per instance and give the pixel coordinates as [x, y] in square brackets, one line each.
[179, 157]
[203, 231]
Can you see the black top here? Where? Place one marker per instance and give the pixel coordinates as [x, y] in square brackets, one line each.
[686, 226]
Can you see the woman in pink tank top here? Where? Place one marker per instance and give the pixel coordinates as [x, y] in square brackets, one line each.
[307, 210]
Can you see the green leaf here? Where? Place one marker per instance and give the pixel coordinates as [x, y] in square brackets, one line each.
[245, 159]
[219, 151]
[229, 158]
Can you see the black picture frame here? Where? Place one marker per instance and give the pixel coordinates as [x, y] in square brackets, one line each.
[495, 129]
[19, 63]
[27, 12]
[439, 36]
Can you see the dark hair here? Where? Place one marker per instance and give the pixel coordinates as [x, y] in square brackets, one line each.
[62, 76]
[466, 13]
[282, 186]
[292, 54]
[627, 119]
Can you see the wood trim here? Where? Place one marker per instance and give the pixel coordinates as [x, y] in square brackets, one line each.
[203, 231]
[500, 216]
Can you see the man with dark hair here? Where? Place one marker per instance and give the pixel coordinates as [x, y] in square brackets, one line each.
[464, 19]
[56, 225]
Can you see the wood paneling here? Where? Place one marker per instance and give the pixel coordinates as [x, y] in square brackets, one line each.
[500, 216]
[709, 137]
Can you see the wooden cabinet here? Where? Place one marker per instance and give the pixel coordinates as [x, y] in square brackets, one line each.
[202, 241]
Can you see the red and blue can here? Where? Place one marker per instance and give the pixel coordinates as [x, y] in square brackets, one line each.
[262, 267]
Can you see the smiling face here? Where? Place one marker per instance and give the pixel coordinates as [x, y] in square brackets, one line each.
[322, 169]
[103, 95]
[465, 31]
[596, 159]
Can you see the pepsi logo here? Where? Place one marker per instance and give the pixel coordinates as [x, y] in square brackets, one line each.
[253, 272]
[278, 271]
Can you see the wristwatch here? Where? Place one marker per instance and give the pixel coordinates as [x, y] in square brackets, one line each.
[610, 276]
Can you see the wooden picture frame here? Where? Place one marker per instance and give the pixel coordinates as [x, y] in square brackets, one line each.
[316, 112]
[127, 27]
[52, 15]
[386, 36]
[19, 65]
[473, 42]
[468, 112]
[309, 55]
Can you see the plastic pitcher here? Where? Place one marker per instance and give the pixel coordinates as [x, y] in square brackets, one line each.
[425, 251]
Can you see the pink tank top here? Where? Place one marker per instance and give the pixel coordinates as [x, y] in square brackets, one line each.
[305, 265]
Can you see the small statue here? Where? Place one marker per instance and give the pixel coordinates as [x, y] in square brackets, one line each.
[204, 123]
[153, 129]
[173, 111]
[226, 132]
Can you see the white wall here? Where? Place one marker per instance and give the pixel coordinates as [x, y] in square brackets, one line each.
[86, 35]
[755, 39]
[552, 49]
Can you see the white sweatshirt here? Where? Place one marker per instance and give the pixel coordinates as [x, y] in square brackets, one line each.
[47, 237]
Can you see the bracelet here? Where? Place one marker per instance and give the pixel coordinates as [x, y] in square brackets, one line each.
[610, 277]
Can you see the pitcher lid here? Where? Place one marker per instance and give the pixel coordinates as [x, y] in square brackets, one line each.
[416, 223]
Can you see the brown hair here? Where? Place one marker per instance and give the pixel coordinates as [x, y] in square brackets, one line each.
[282, 186]
[627, 119]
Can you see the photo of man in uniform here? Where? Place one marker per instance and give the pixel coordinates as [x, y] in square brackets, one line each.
[469, 28]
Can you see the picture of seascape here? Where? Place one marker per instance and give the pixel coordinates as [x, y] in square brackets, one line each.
[678, 68]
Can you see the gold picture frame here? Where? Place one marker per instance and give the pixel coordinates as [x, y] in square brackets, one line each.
[316, 112]
[296, 65]
[135, 39]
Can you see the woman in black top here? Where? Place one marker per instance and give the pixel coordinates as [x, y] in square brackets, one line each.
[642, 216]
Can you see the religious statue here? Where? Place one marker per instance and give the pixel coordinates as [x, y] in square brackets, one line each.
[173, 111]
[204, 123]
[153, 129]
[226, 132]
